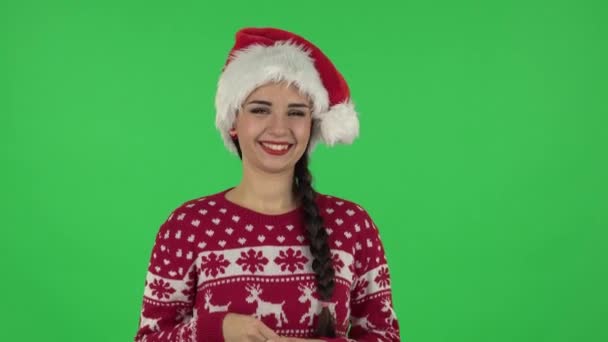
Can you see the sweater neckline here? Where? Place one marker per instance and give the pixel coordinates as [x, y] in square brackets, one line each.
[256, 216]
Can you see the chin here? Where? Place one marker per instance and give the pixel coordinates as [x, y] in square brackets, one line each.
[276, 168]
[273, 164]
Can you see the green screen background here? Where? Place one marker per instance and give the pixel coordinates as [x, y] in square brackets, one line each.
[482, 156]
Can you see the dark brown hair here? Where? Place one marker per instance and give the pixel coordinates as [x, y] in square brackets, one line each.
[319, 247]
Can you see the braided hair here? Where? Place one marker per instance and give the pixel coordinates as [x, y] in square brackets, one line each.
[317, 235]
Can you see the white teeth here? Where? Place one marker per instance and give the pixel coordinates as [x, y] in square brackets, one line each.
[276, 147]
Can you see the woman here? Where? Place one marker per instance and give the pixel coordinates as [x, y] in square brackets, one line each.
[272, 259]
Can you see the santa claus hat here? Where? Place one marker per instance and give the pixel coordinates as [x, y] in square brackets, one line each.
[261, 55]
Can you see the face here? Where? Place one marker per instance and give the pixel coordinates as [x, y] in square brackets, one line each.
[273, 127]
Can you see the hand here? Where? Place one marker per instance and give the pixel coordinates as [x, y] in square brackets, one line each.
[244, 328]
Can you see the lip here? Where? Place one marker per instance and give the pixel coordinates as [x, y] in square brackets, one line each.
[273, 152]
[276, 142]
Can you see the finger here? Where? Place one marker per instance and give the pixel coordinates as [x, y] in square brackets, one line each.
[257, 337]
[281, 339]
[268, 333]
[292, 339]
[285, 339]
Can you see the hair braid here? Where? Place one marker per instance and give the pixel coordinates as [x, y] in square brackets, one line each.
[319, 248]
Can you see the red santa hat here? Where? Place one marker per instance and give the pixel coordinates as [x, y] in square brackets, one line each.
[261, 55]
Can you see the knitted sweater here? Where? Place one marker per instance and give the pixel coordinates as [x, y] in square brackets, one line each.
[212, 256]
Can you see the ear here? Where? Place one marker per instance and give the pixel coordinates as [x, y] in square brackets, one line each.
[234, 120]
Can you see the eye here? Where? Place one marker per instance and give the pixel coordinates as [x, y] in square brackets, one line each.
[259, 110]
[298, 113]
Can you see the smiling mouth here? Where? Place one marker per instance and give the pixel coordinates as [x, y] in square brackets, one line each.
[275, 149]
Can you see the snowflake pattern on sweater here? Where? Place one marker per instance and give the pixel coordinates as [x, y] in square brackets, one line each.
[212, 257]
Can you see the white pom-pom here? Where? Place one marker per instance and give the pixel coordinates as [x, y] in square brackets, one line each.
[339, 125]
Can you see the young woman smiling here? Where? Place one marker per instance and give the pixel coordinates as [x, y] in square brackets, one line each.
[271, 258]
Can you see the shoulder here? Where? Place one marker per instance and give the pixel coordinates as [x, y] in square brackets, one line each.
[205, 200]
[341, 208]
[194, 209]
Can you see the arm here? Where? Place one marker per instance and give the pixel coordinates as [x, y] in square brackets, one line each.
[168, 312]
[372, 314]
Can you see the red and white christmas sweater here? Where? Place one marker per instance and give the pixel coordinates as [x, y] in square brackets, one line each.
[212, 257]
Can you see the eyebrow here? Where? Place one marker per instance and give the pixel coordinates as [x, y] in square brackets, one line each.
[291, 105]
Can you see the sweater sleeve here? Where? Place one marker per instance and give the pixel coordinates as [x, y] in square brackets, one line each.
[168, 311]
[372, 316]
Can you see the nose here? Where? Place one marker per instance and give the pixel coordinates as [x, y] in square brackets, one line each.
[278, 124]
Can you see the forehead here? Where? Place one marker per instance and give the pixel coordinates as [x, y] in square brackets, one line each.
[279, 90]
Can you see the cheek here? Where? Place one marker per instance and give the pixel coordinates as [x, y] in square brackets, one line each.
[249, 129]
[302, 131]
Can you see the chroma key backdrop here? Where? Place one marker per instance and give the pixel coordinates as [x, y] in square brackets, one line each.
[482, 155]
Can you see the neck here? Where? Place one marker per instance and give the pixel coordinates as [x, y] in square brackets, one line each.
[263, 192]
